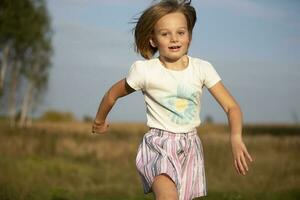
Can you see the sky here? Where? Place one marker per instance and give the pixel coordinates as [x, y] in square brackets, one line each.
[253, 45]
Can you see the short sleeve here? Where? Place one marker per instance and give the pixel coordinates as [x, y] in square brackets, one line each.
[211, 77]
[136, 76]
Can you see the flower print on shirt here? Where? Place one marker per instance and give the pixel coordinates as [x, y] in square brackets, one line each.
[183, 105]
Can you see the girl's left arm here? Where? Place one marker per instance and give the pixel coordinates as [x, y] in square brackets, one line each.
[234, 115]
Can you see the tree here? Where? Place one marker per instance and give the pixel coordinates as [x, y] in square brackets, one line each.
[37, 74]
[209, 119]
[25, 48]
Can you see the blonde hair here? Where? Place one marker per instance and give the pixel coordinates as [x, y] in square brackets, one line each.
[145, 24]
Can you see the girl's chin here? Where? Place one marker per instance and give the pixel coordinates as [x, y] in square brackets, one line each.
[171, 57]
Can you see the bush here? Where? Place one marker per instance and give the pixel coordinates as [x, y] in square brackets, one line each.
[57, 116]
[88, 119]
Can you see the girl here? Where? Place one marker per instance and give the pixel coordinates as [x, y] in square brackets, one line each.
[170, 157]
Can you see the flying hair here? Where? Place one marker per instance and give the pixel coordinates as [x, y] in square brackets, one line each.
[144, 27]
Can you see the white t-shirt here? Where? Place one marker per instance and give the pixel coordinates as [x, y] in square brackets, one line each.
[173, 98]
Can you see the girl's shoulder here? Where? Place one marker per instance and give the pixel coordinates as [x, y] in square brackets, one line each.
[208, 75]
[146, 62]
[199, 62]
[203, 67]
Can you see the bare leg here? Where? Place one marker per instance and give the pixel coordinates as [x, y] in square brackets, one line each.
[164, 188]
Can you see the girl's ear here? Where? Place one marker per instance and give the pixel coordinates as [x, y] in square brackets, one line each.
[152, 43]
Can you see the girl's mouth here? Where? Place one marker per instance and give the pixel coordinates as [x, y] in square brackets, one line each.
[174, 48]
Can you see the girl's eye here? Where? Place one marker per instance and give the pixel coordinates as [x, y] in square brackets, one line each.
[164, 34]
[181, 33]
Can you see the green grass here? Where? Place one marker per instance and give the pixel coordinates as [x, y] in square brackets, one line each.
[49, 164]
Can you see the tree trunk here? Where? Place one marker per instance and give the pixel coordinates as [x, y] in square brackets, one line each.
[3, 66]
[26, 104]
[13, 92]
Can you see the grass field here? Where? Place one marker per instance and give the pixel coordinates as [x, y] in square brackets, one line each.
[62, 161]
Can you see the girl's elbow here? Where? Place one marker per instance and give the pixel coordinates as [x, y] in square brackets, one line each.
[234, 108]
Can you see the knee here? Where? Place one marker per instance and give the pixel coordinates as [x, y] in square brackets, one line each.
[164, 188]
[167, 197]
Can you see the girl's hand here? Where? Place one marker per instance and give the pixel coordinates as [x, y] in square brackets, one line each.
[240, 154]
[100, 127]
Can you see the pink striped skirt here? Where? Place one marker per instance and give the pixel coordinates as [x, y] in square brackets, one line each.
[179, 155]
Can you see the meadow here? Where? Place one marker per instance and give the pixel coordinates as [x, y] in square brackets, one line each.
[63, 161]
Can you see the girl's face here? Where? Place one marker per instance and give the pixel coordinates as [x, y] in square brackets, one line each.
[171, 37]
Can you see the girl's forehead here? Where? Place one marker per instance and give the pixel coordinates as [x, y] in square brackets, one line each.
[171, 20]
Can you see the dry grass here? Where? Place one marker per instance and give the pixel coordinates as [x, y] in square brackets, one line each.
[64, 161]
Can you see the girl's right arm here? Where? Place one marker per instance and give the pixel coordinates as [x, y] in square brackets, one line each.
[120, 89]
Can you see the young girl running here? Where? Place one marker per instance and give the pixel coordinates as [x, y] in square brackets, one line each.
[170, 156]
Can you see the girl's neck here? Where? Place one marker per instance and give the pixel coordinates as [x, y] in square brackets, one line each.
[177, 65]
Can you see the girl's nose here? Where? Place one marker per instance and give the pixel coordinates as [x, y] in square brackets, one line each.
[174, 38]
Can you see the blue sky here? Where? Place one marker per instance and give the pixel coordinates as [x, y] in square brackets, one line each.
[254, 46]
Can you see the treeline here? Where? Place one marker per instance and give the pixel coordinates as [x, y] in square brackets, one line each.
[25, 57]
[272, 129]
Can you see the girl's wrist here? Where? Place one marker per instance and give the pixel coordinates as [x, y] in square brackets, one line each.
[99, 122]
[236, 137]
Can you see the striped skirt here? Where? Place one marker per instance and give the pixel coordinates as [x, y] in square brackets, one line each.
[179, 155]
